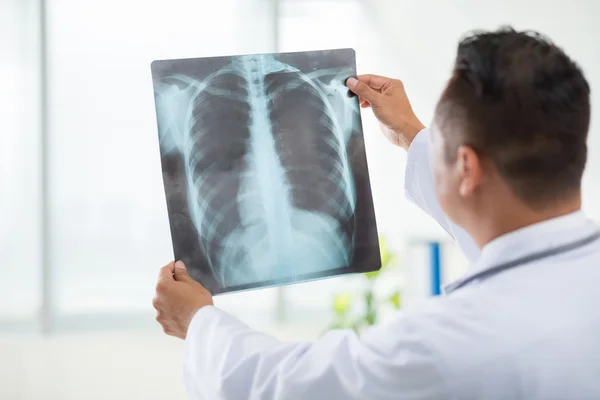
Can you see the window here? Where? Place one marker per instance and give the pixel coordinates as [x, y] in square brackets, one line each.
[109, 231]
[20, 228]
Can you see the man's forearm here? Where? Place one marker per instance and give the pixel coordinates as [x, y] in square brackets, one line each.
[411, 131]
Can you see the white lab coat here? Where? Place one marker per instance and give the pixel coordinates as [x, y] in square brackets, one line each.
[531, 332]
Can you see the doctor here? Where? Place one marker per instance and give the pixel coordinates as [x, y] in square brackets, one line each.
[500, 169]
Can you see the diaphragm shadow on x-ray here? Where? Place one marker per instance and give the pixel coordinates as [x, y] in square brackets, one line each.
[264, 168]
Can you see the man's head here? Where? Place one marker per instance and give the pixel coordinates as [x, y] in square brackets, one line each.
[510, 129]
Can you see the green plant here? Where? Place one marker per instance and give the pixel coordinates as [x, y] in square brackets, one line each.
[344, 304]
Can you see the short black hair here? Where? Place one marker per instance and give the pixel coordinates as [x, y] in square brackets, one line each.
[519, 101]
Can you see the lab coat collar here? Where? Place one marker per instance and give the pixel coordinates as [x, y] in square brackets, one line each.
[525, 241]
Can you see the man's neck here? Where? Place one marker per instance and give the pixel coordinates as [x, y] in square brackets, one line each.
[510, 219]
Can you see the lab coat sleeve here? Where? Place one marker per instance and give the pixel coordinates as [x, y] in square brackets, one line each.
[419, 189]
[226, 360]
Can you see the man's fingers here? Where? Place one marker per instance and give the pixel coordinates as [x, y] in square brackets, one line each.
[374, 81]
[362, 89]
[181, 273]
[166, 272]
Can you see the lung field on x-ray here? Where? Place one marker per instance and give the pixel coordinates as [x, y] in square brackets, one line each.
[257, 168]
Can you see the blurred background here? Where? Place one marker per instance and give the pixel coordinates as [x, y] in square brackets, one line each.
[83, 220]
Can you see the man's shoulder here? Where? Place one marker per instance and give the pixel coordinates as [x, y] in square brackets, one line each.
[445, 328]
[414, 348]
[440, 312]
[426, 321]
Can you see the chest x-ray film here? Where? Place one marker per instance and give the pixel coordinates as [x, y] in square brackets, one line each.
[264, 168]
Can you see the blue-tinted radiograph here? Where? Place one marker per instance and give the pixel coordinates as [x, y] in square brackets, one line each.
[270, 189]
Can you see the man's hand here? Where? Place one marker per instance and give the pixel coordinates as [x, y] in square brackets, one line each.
[390, 105]
[178, 298]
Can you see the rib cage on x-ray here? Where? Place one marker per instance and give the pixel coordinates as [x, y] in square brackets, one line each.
[269, 185]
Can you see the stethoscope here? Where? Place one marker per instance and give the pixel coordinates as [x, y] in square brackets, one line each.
[526, 259]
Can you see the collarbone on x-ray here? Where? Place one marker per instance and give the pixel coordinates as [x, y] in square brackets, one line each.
[269, 184]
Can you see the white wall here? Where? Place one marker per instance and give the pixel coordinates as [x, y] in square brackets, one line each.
[123, 365]
[127, 365]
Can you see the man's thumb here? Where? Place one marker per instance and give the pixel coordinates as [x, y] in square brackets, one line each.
[361, 89]
[181, 273]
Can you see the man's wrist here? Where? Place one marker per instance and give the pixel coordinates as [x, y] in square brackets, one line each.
[410, 133]
[202, 312]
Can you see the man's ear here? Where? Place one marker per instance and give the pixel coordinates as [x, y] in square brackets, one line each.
[469, 169]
